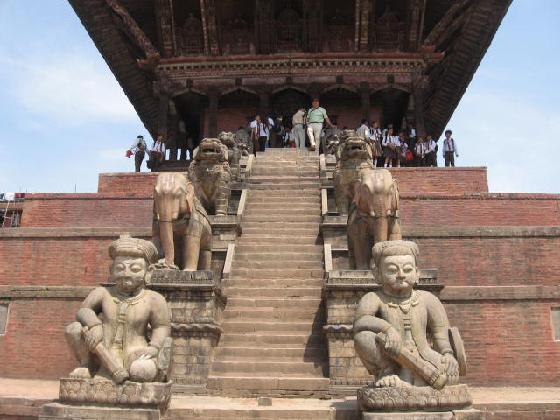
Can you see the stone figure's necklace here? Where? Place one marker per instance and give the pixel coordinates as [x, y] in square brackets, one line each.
[405, 308]
[123, 304]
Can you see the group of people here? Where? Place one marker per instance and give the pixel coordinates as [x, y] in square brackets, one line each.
[272, 132]
[156, 154]
[390, 148]
[406, 148]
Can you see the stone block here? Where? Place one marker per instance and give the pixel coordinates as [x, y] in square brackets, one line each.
[89, 391]
[57, 411]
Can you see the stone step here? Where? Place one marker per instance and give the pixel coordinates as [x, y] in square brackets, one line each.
[273, 174]
[273, 339]
[273, 303]
[277, 263]
[294, 180]
[281, 292]
[280, 231]
[267, 273]
[262, 207]
[268, 368]
[246, 248]
[268, 385]
[285, 187]
[294, 193]
[284, 217]
[301, 353]
[225, 408]
[287, 283]
[269, 314]
[284, 239]
[252, 327]
[284, 255]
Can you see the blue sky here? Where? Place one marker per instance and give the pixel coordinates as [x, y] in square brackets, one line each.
[65, 119]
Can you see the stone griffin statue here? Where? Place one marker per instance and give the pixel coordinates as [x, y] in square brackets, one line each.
[181, 224]
[210, 174]
[403, 338]
[235, 151]
[374, 215]
[122, 332]
[354, 155]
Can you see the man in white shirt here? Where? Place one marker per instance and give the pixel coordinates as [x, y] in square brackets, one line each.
[363, 131]
[259, 133]
[450, 150]
[139, 149]
[298, 130]
[157, 153]
[431, 152]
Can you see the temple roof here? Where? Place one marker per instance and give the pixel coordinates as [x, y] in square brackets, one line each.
[462, 30]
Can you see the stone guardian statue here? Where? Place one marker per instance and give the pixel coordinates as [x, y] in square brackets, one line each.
[122, 332]
[403, 338]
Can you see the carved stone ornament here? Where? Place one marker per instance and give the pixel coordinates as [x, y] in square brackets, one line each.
[403, 338]
[84, 391]
[211, 176]
[181, 223]
[122, 336]
[412, 398]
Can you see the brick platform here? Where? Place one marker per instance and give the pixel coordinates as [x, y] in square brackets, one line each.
[497, 254]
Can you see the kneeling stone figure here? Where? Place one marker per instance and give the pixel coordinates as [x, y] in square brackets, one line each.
[110, 337]
[403, 338]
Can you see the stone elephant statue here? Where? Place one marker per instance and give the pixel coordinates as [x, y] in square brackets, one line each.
[373, 217]
[181, 228]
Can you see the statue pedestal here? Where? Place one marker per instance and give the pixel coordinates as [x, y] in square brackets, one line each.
[196, 303]
[410, 398]
[418, 403]
[423, 415]
[57, 411]
[105, 400]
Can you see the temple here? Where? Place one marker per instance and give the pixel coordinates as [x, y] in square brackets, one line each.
[193, 68]
[279, 279]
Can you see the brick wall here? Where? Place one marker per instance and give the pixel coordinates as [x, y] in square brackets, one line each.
[126, 183]
[508, 343]
[86, 210]
[34, 344]
[492, 261]
[54, 261]
[480, 210]
[441, 180]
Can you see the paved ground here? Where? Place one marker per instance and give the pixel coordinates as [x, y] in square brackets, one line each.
[45, 390]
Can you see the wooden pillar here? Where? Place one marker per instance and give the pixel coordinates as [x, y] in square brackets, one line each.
[163, 116]
[264, 24]
[365, 99]
[362, 23]
[313, 25]
[264, 103]
[415, 20]
[209, 27]
[418, 95]
[213, 99]
[165, 27]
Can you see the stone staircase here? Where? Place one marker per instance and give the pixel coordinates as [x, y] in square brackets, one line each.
[272, 342]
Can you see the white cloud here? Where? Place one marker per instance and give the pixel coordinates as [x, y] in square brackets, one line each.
[72, 88]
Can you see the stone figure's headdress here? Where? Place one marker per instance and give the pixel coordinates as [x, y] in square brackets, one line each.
[133, 247]
[392, 248]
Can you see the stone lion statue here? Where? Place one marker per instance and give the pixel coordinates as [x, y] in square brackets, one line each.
[211, 176]
[181, 224]
[235, 151]
[354, 155]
